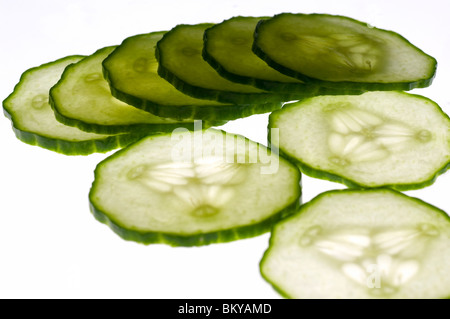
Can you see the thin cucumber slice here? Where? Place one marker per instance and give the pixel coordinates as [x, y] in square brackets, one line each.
[228, 49]
[131, 70]
[179, 54]
[193, 188]
[82, 99]
[353, 244]
[34, 121]
[338, 51]
[376, 139]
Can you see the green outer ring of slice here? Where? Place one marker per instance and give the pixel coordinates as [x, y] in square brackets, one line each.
[143, 129]
[197, 239]
[224, 91]
[372, 86]
[315, 172]
[57, 144]
[213, 111]
[75, 148]
[279, 226]
[175, 240]
[289, 90]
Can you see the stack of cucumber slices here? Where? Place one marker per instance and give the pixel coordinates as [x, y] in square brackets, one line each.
[335, 88]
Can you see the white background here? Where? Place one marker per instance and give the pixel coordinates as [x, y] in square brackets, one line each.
[50, 244]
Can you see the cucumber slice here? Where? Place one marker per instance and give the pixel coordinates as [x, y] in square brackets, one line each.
[82, 99]
[338, 51]
[179, 54]
[131, 70]
[193, 188]
[228, 49]
[34, 121]
[376, 139]
[361, 244]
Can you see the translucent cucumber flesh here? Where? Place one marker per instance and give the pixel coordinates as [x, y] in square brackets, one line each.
[361, 244]
[147, 188]
[181, 55]
[132, 69]
[31, 111]
[83, 94]
[333, 48]
[375, 139]
[230, 44]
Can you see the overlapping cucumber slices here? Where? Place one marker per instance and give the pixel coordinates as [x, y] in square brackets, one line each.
[193, 188]
[340, 52]
[131, 70]
[228, 49]
[375, 139]
[66, 106]
[82, 98]
[179, 54]
[361, 244]
[34, 121]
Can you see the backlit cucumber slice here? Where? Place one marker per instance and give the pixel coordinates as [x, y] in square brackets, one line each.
[361, 244]
[338, 51]
[193, 188]
[375, 139]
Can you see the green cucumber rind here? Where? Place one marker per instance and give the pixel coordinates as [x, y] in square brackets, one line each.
[117, 129]
[58, 145]
[321, 174]
[272, 86]
[312, 201]
[215, 114]
[175, 240]
[369, 86]
[210, 94]
[201, 239]
[281, 88]
[72, 148]
[224, 113]
[286, 91]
